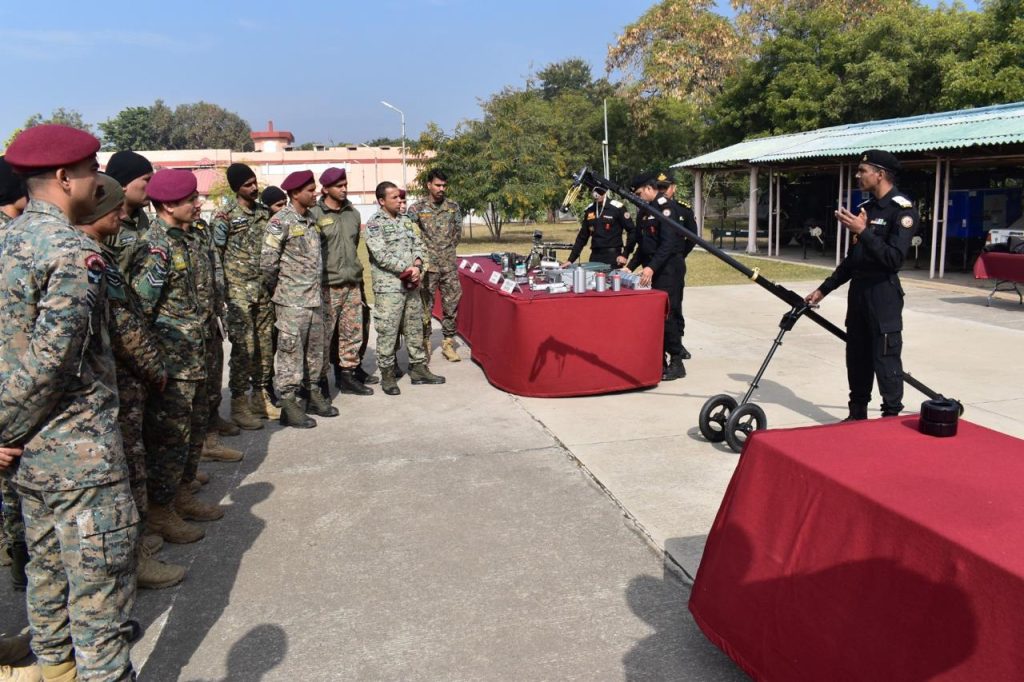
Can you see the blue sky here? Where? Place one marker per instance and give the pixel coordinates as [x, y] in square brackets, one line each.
[316, 69]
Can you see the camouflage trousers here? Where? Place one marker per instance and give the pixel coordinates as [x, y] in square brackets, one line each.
[344, 322]
[173, 430]
[14, 524]
[131, 394]
[451, 293]
[214, 367]
[395, 312]
[81, 576]
[300, 348]
[250, 328]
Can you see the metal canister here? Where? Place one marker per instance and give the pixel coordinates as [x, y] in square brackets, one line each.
[600, 281]
[579, 281]
[616, 282]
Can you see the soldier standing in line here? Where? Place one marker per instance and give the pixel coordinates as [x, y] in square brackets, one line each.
[397, 259]
[58, 405]
[604, 222]
[133, 171]
[238, 231]
[292, 268]
[13, 197]
[882, 231]
[274, 199]
[139, 368]
[440, 223]
[338, 222]
[162, 275]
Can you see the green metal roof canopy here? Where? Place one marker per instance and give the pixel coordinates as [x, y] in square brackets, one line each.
[985, 126]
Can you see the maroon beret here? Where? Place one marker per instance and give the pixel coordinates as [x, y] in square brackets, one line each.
[401, 194]
[297, 180]
[50, 146]
[173, 184]
[332, 175]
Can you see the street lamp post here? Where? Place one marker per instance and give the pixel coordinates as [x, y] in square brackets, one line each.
[402, 114]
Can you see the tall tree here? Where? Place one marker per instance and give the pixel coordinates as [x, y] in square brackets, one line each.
[131, 128]
[203, 125]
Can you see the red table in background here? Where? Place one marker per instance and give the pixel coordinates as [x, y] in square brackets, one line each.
[556, 345]
[1005, 268]
[869, 551]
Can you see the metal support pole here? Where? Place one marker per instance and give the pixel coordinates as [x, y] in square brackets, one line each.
[752, 213]
[945, 220]
[935, 217]
[839, 202]
[698, 199]
[771, 208]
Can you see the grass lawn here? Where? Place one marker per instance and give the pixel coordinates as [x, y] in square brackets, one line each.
[702, 269]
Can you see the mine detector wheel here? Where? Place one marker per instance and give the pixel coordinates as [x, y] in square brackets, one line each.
[721, 417]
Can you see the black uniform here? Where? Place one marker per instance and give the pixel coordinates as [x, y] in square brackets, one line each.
[874, 316]
[604, 224]
[663, 248]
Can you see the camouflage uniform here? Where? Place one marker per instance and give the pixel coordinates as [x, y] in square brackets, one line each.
[239, 233]
[124, 243]
[393, 247]
[162, 275]
[440, 229]
[139, 368]
[58, 401]
[13, 525]
[292, 267]
[209, 282]
[343, 275]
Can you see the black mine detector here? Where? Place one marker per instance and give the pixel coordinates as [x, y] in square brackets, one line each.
[722, 418]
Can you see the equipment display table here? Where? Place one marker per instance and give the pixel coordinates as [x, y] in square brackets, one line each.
[1005, 268]
[869, 551]
[533, 343]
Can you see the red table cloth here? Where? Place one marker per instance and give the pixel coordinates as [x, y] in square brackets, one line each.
[556, 345]
[869, 551]
[1005, 266]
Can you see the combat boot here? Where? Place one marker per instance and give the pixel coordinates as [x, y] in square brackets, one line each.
[166, 523]
[675, 369]
[19, 560]
[223, 426]
[346, 382]
[191, 508]
[21, 673]
[14, 648]
[364, 377]
[5, 550]
[293, 415]
[398, 371]
[241, 415]
[319, 405]
[215, 451]
[858, 412]
[388, 382]
[152, 542]
[427, 350]
[156, 575]
[685, 355]
[448, 350]
[202, 477]
[325, 388]
[62, 672]
[420, 374]
[263, 406]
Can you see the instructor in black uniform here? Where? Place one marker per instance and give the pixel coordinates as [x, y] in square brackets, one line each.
[882, 230]
[662, 251]
[604, 223]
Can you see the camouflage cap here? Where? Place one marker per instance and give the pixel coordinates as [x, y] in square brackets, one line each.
[109, 197]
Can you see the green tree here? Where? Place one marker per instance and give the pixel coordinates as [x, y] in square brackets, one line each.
[386, 142]
[131, 128]
[204, 125]
[60, 116]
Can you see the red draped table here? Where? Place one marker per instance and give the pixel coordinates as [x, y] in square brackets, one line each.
[555, 345]
[1005, 268]
[869, 551]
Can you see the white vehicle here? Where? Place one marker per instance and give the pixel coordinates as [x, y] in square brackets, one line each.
[1001, 236]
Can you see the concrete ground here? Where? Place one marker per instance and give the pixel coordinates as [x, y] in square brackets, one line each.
[458, 532]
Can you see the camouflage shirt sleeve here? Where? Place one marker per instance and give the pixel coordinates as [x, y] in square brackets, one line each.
[147, 273]
[376, 245]
[133, 344]
[270, 255]
[220, 226]
[56, 345]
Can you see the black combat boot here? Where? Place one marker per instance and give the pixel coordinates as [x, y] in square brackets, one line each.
[364, 377]
[337, 376]
[685, 355]
[346, 382]
[325, 388]
[388, 382]
[320, 406]
[420, 374]
[858, 412]
[398, 371]
[19, 560]
[292, 414]
[675, 369]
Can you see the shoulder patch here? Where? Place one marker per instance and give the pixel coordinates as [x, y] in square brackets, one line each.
[326, 221]
[616, 203]
[95, 262]
[661, 200]
[907, 221]
[159, 251]
[902, 201]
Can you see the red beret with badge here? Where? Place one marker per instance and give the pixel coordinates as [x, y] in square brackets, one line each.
[172, 184]
[50, 146]
[332, 175]
[297, 180]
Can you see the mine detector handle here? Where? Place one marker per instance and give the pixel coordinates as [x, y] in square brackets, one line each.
[588, 178]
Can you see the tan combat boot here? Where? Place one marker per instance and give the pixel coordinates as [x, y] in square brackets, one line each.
[152, 542]
[21, 673]
[241, 415]
[215, 451]
[152, 574]
[5, 550]
[14, 648]
[62, 672]
[262, 406]
[190, 507]
[165, 522]
[448, 350]
[202, 477]
[223, 426]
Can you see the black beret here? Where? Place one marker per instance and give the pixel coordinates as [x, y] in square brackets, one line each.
[238, 175]
[882, 159]
[12, 187]
[126, 166]
[271, 195]
[644, 179]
